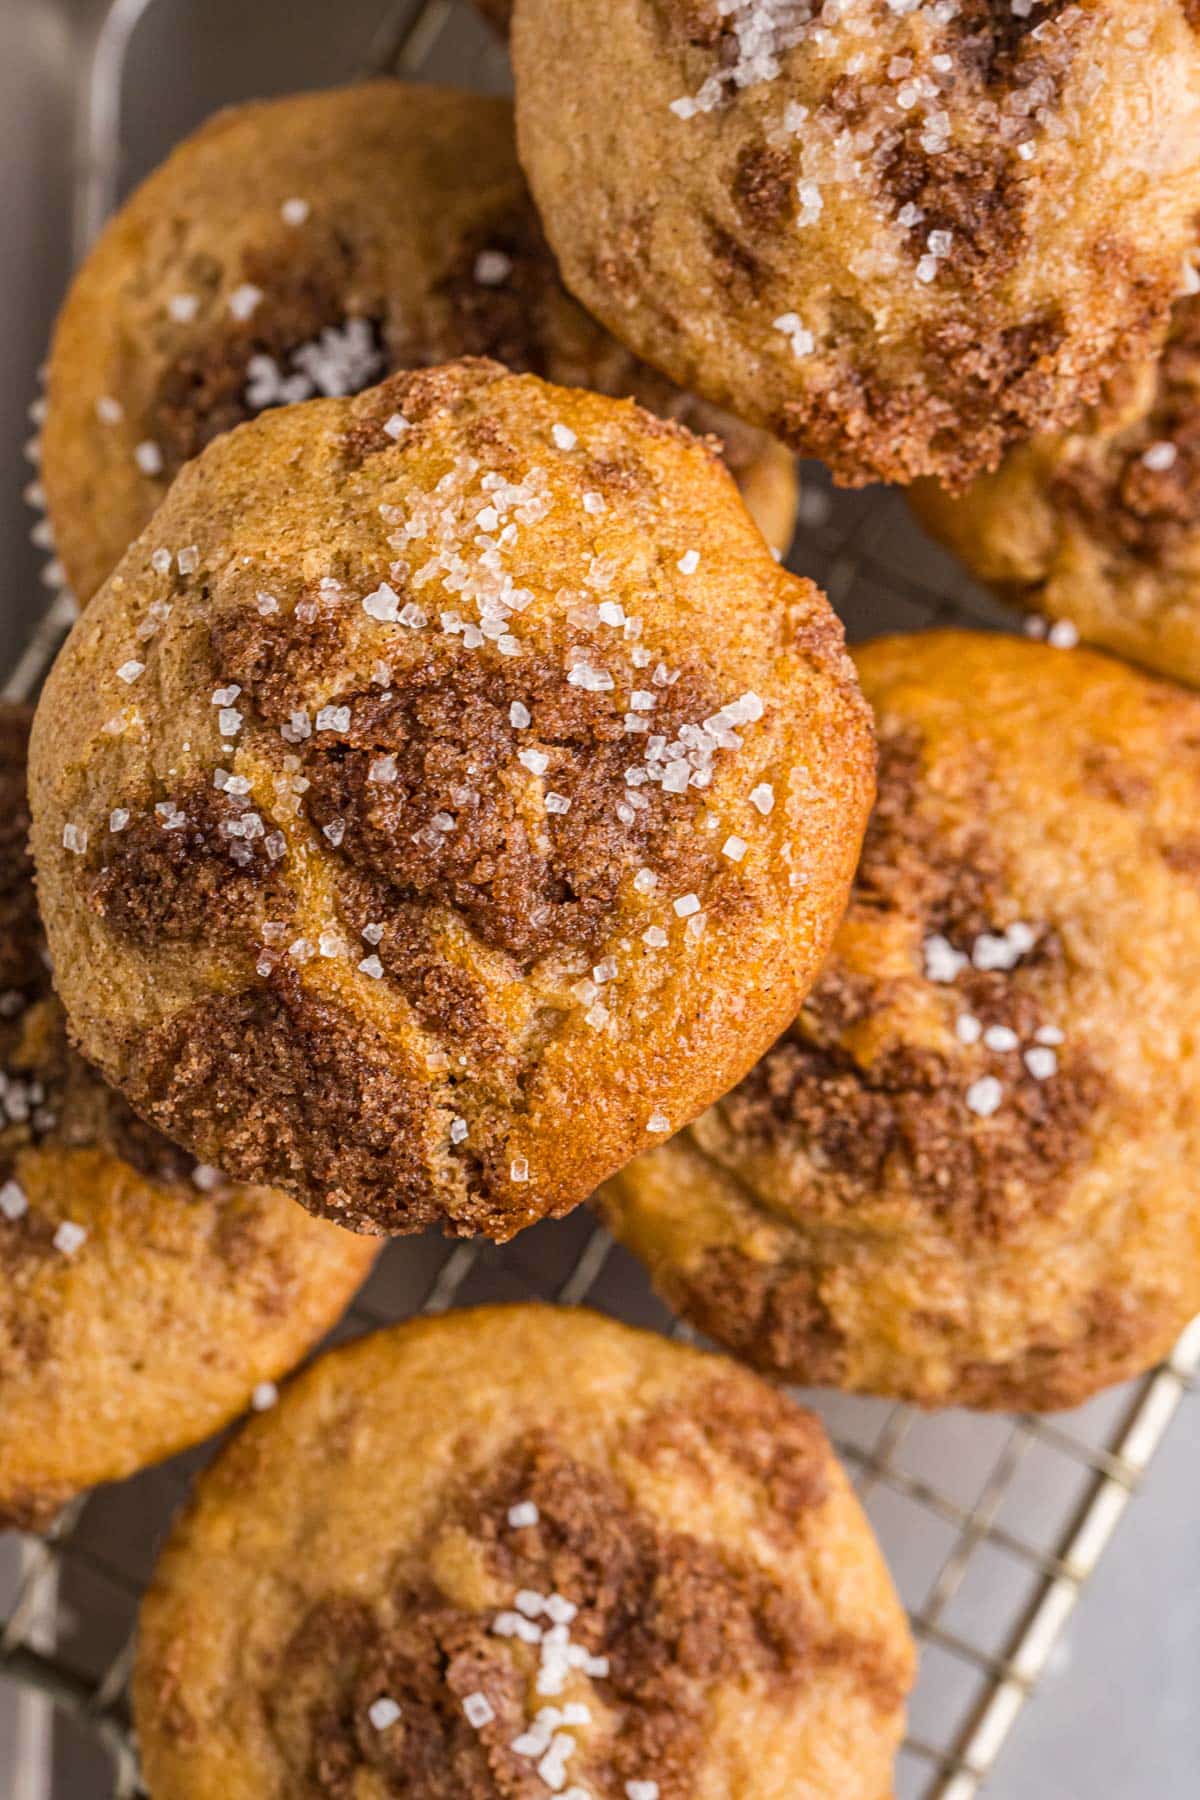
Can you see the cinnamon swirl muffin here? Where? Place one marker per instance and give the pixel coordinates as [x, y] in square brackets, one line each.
[144, 1299]
[308, 246]
[966, 1174]
[521, 1551]
[900, 236]
[441, 766]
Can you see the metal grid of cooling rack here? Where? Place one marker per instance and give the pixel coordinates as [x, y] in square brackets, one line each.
[992, 1525]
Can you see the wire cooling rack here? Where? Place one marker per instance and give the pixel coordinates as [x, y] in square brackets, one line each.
[992, 1524]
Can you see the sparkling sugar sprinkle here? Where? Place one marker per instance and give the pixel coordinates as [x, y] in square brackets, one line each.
[1062, 635]
[761, 31]
[343, 360]
[793, 328]
[985, 1096]
[943, 963]
[1161, 456]
[1041, 1062]
[13, 1203]
[991, 950]
[492, 267]
[478, 1710]
[383, 1713]
[546, 1740]
[244, 300]
[69, 1238]
[264, 1397]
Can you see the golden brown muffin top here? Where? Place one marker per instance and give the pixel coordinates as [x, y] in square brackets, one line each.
[965, 1174]
[143, 1298]
[1136, 486]
[308, 246]
[881, 233]
[438, 767]
[1098, 528]
[49, 1092]
[644, 1576]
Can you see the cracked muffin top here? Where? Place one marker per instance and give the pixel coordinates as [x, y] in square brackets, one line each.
[523, 1551]
[901, 236]
[441, 769]
[1098, 528]
[307, 247]
[143, 1298]
[966, 1174]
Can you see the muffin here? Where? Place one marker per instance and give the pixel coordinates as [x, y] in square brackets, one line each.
[967, 1174]
[143, 1299]
[1098, 528]
[442, 765]
[902, 237]
[431, 1572]
[308, 246]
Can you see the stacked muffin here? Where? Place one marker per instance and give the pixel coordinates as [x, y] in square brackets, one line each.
[447, 807]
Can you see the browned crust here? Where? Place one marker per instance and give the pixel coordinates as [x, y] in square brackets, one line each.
[770, 1315]
[865, 1214]
[184, 1291]
[713, 1622]
[774, 1318]
[274, 1080]
[973, 359]
[1100, 526]
[672, 1615]
[33, 1511]
[420, 245]
[388, 901]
